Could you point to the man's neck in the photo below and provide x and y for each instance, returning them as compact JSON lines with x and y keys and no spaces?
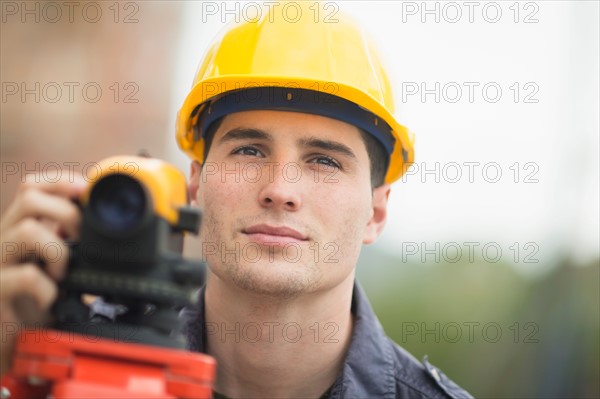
{"x":269,"y":347}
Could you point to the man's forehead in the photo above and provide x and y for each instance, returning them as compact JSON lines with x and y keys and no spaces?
{"x":277,"y":122}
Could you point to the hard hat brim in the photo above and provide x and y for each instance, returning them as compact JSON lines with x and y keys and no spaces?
{"x":400,"y":158}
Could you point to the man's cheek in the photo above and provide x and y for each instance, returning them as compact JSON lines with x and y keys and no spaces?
{"x":209,"y":251}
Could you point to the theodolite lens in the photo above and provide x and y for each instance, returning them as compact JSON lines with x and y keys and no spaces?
{"x":118,"y":203}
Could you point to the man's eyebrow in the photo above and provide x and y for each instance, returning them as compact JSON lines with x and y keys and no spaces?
{"x":242,"y":133}
{"x":329,"y":146}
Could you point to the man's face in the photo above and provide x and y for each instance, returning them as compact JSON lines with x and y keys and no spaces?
{"x":287,"y":202}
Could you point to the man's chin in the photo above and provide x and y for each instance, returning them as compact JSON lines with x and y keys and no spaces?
{"x":284,"y":282}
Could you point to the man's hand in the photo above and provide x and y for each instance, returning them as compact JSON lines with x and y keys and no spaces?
{"x":41,"y":216}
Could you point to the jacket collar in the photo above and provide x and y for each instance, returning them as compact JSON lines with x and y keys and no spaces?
{"x":368,"y":369}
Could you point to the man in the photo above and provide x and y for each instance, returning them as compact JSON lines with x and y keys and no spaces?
{"x":294,"y":147}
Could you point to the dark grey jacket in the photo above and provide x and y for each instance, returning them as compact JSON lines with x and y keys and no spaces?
{"x":375,"y":367}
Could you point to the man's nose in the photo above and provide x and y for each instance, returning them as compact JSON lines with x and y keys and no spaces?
{"x":282,"y":189}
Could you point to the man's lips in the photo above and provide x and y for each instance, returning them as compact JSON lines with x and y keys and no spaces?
{"x":264,"y":233}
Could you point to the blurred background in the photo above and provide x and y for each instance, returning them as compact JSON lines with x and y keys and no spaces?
{"x":490,"y":261}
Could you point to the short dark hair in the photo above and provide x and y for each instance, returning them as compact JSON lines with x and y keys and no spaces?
{"x":377,"y":155}
{"x":378,"y":158}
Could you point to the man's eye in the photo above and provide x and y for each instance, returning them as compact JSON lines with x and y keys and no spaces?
{"x":327,"y":161}
{"x":247,"y":150}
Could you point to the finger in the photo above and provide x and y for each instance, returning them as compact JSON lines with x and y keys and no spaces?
{"x":30,"y":280}
{"x":33,"y":203}
{"x":31,"y":240}
{"x":69,"y":185}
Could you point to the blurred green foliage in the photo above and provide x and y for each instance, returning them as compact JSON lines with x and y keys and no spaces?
{"x":492,"y":330}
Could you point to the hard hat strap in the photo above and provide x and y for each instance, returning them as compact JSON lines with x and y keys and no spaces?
{"x":297,"y":100}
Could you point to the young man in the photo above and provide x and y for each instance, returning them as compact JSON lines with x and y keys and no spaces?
{"x":294,"y":147}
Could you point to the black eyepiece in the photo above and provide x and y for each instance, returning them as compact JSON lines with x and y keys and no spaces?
{"x":118,"y":203}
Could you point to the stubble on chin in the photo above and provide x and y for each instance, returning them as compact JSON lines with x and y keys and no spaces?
{"x":284,"y":286}
{"x":270,"y":275}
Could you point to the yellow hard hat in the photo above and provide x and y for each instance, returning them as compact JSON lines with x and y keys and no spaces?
{"x":283,"y":63}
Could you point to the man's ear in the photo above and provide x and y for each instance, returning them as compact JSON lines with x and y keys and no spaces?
{"x":195,"y":172}
{"x":378,"y":218}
